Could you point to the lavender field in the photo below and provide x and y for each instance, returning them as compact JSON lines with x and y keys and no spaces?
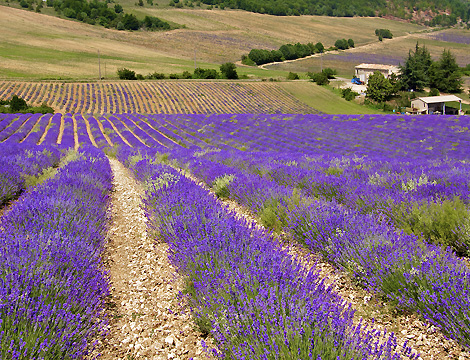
{"x":383,"y":199}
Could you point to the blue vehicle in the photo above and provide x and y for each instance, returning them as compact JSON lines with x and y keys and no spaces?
{"x":355,"y":80}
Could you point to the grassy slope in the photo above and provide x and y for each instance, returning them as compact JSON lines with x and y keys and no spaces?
{"x":323,"y":99}
{"x":40,"y":46}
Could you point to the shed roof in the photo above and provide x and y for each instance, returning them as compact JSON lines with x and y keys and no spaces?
{"x":439,"y":99}
{"x":377,"y":67}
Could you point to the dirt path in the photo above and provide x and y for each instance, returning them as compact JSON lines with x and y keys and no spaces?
{"x":147,"y":321}
{"x":43,"y":136}
{"x":75,"y":133}
{"x":89,"y":132}
{"x":61,"y":130}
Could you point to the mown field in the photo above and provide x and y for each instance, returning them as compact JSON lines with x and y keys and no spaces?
{"x":382,"y":199}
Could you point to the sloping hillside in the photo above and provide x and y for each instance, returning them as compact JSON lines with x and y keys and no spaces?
{"x":39,"y":46}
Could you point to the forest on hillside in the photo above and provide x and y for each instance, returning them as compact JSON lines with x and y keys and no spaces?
{"x":93,"y":12}
{"x":439,"y":12}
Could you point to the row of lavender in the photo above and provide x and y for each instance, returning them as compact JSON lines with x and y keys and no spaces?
{"x":19,"y":164}
{"x":393,"y":136}
{"x":373,"y":135}
{"x":119,"y":130}
{"x":257,"y":301}
{"x":52,"y":285}
{"x":310,"y":199}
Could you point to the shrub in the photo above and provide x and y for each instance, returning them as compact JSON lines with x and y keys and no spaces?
{"x":156,"y":76}
{"x":247,"y":61}
{"x":126,"y":74}
{"x":351,"y":43}
{"x":434,"y":92}
{"x":342,"y":44}
{"x":320,"y":78}
{"x":200,"y":73}
{"x":293,"y":76}
{"x":43,"y":109}
{"x":446,"y":223}
{"x":153,"y":23}
{"x":348,"y":94}
{"x":229,"y":71}
{"x":383,"y":34}
{"x":330,"y":73}
{"x":220,"y":186}
{"x":17,"y":104}
{"x":186,"y":75}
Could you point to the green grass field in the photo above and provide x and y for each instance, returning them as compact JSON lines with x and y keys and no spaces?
{"x":324,"y":99}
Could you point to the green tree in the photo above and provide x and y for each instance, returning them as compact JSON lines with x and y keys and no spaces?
{"x":126,"y":74}
{"x":293,"y":76}
{"x":320,"y":47}
{"x":342,"y":44}
{"x":229,"y":71}
{"x":130,"y":22}
{"x":379,"y":88}
{"x":415,"y":73}
{"x":320,"y":78}
{"x":351,"y":43}
{"x":445,"y":75}
{"x":383,"y":34}
{"x":17,"y":104}
{"x":200,"y":73}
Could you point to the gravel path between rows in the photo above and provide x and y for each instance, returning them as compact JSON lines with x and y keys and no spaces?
{"x":147,"y":320}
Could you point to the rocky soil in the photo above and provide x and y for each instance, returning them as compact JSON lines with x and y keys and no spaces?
{"x":148,"y":320}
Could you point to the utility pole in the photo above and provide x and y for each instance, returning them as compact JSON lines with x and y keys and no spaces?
{"x":99,"y":65}
{"x":321,"y":61}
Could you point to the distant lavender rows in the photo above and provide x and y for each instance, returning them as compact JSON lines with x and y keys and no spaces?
{"x":158,"y":97}
{"x":394,"y":136}
{"x":451,"y":37}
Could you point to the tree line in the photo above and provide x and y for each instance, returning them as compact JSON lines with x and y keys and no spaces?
{"x":347,"y":8}
{"x":103,"y":13}
{"x":227,"y":71}
{"x":291,"y":52}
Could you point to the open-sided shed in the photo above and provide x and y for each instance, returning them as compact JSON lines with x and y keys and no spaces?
{"x":436,"y":105}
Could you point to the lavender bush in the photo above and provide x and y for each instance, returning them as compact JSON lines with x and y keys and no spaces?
{"x":52,"y":284}
{"x":256,"y":300}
